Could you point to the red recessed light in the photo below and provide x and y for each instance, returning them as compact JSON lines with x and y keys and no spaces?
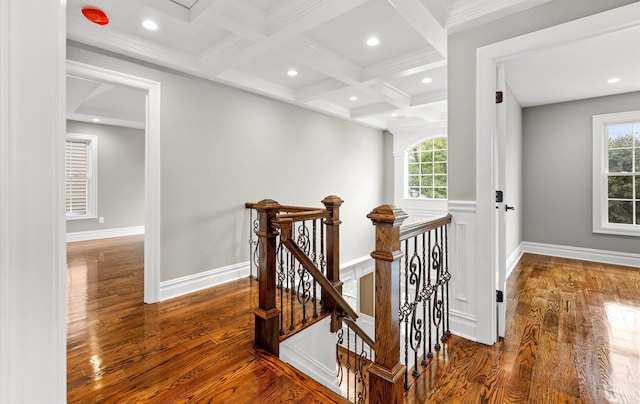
{"x":96,"y":15}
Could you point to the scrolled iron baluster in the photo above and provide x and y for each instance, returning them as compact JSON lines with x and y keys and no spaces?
{"x":404,"y":314}
{"x":254,"y":248}
{"x":436,"y":254}
{"x":362,"y":376}
{"x":415,"y":336}
{"x":314,"y":258}
{"x":281,"y":282}
{"x":339,"y":356}
{"x":447,"y":278}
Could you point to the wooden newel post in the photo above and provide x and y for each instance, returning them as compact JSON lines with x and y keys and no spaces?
{"x":266,"y":315}
{"x":332,"y":204}
{"x":386,"y":373}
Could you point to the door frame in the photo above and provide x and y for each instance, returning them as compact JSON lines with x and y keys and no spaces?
{"x":152,"y":164}
{"x":487,"y":60}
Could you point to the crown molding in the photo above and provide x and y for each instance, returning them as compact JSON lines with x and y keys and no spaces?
{"x":465,"y":12}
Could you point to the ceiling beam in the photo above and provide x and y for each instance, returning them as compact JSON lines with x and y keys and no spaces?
{"x":428,"y":98}
{"x":402,"y":66}
{"x":423,"y":21}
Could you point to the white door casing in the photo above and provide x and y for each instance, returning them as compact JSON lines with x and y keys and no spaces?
{"x":152,"y":165}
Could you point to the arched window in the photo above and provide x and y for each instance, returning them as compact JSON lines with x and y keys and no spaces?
{"x":427,"y":169}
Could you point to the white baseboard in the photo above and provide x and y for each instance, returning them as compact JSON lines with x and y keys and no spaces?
{"x":202,"y":280}
{"x":585,"y":254}
{"x":513,"y":259}
{"x":106,"y":233}
{"x":463,"y":325}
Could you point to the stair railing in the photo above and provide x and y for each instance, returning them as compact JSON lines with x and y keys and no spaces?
{"x":411,"y":299}
{"x":298,"y":254}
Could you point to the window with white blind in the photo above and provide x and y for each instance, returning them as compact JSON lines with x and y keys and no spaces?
{"x":616,"y":173}
{"x":81,"y":176}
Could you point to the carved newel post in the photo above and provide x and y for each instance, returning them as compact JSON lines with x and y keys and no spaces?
{"x":332,"y":204}
{"x":267,"y":331}
{"x":386,"y":373}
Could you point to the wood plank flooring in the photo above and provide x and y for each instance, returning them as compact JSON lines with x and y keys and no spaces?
{"x":573,"y":336}
{"x":196,"y":349}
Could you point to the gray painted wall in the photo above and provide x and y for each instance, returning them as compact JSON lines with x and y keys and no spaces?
{"x":513,"y":174}
{"x":222,"y":147}
{"x":461,"y":73}
{"x":557,"y":173}
{"x":120,"y":176}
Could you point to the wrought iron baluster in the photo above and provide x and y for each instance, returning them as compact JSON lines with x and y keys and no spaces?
{"x":404,"y":314}
{"x":303,"y":286}
{"x":314,"y":258}
{"x":416,"y":323}
{"x":430,"y":290}
{"x":281,"y":282}
{"x":292,"y":285}
{"x":437,"y":302}
{"x":323,"y":264}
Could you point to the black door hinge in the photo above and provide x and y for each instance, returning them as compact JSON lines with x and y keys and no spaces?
{"x":499,"y":296}
{"x":498,"y":97}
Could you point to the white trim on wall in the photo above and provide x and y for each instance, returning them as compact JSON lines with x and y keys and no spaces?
{"x":104,"y":233}
{"x":203,"y":280}
{"x":152,"y":165}
{"x":514,"y":259}
{"x":584,"y":254}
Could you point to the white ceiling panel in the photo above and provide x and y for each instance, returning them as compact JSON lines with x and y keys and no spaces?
{"x":413,"y":84}
{"x":251,"y":44}
{"x":577,"y":70}
{"x":347,"y":34}
{"x":273,"y":67}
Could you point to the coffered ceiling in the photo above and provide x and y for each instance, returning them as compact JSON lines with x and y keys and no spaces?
{"x":253,"y":44}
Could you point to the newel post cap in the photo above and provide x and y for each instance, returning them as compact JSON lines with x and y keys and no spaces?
{"x":266,"y":204}
{"x":332,"y":200}
{"x":387,"y":214}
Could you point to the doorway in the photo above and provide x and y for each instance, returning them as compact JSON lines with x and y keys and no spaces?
{"x":152,"y":164}
{"x":487,"y":176}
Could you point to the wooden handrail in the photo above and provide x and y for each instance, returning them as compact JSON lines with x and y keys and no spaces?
{"x":359,"y":331}
{"x":415,"y":229}
{"x":303,"y":215}
{"x":319,"y":277}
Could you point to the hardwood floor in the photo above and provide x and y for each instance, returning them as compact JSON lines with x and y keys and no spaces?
{"x":197,"y":348}
{"x":573,"y":336}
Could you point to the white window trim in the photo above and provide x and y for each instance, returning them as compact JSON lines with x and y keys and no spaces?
{"x":92,"y":202}
{"x":600,"y":208}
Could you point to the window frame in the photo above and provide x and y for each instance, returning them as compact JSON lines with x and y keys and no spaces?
{"x":406,"y":185}
{"x":92,"y":175}
{"x":601,"y":223}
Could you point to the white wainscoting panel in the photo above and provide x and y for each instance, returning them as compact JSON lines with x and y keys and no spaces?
{"x":313,"y":352}
{"x":462,"y":287}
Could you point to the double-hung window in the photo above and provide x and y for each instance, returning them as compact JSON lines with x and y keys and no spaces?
{"x":616,"y":173}
{"x":81,"y":176}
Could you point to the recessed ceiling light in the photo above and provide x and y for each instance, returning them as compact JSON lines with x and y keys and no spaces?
{"x":292,"y":73}
{"x":353,"y":98}
{"x":150,"y":25}
{"x":613,"y":80}
{"x":427,"y":80}
{"x":394,"y":115}
{"x":373,"y":41}
{"x":95,"y":120}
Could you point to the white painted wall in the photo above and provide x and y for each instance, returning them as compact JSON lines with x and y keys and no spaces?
{"x":32,"y":227}
{"x":222,"y":147}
